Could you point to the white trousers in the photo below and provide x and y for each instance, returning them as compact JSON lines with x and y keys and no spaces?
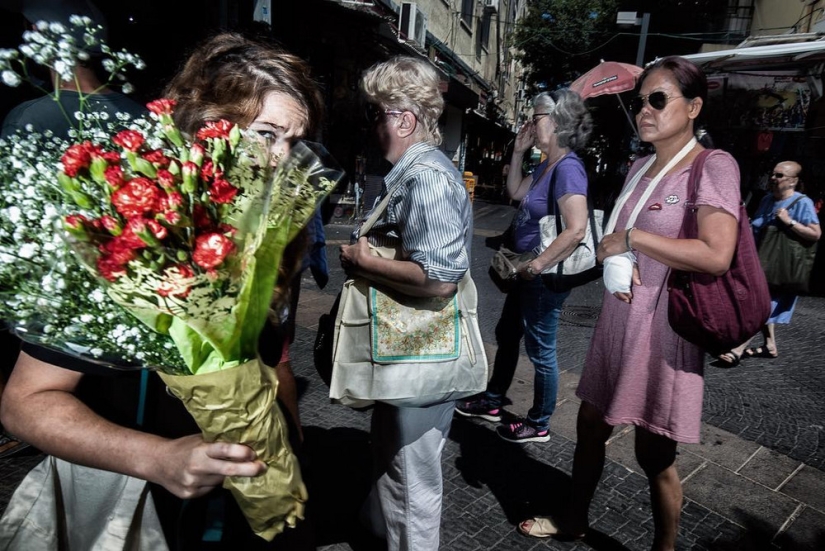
{"x":404,"y":505}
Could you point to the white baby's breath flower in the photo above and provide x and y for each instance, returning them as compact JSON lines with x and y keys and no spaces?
{"x":10,"y":78}
{"x":63,"y":69}
{"x":127,"y":88}
{"x":13,"y":213}
{"x":28,"y":250}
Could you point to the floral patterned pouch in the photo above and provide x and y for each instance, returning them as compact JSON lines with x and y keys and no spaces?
{"x":413,"y":329}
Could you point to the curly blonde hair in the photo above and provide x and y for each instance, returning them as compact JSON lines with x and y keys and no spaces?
{"x":407,"y":84}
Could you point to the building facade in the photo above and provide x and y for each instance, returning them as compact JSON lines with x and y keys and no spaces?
{"x":465,"y":40}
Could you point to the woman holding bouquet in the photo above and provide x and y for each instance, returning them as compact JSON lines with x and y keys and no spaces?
{"x":86,"y":414}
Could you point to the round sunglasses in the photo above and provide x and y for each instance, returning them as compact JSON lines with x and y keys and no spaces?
{"x":657,"y":100}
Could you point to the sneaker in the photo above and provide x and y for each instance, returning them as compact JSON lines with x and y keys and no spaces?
{"x":481,"y":408}
{"x":521,"y":431}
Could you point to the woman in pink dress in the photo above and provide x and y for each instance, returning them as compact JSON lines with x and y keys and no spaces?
{"x":638,"y":371}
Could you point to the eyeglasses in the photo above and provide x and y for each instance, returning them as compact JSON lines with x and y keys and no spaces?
{"x":373,"y":112}
{"x":779,"y":175}
{"x":537,"y":116}
{"x":657,"y":100}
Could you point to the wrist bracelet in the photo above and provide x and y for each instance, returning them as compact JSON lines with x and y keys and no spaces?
{"x":627,"y":239}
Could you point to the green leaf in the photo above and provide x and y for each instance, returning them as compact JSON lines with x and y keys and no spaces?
{"x":98,"y":170}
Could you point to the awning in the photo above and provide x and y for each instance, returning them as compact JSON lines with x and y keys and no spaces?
{"x":771,"y":57}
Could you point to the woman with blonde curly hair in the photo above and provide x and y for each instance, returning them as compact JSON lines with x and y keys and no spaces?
{"x":428,"y":217}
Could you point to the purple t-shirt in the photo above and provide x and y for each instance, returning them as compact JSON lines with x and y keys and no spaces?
{"x":570,"y":178}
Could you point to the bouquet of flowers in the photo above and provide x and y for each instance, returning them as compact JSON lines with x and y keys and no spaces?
{"x":180,"y":242}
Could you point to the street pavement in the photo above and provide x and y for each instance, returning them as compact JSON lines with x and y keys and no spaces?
{"x":756,"y":480}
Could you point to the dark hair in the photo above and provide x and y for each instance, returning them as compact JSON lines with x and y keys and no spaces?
{"x":690,"y":78}
{"x":228,"y":77}
{"x":692,"y":84}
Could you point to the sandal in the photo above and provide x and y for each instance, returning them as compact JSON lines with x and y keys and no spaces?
{"x":729,"y":358}
{"x":545,"y":527}
{"x":761,"y":352}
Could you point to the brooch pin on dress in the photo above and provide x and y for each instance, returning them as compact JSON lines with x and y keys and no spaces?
{"x":672,"y":199}
{"x":655,"y":206}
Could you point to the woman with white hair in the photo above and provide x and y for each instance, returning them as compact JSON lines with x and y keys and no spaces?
{"x":559,"y":125}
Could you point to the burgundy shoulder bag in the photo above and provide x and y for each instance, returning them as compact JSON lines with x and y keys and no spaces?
{"x":718,"y":313}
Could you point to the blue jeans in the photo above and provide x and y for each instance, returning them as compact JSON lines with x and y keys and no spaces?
{"x":531,"y":311}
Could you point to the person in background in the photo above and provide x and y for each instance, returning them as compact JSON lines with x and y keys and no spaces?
{"x":559,"y":125}
{"x":44,"y":114}
{"x":84,"y":414}
{"x":785,"y":206}
{"x":429,"y":214}
{"x":638,"y":371}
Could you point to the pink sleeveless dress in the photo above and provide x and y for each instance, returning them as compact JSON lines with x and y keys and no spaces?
{"x":638,"y":371}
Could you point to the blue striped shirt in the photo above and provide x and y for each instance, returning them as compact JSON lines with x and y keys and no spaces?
{"x":428,"y":214}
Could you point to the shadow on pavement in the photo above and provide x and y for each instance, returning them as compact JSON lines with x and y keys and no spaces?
{"x":758,"y":536}
{"x":337,"y":471}
{"x":523,"y":485}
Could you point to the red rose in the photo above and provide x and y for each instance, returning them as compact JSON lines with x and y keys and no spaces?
{"x":129,"y":139}
{"x":92,"y":149}
{"x":112,"y":157}
{"x":207,"y":170}
{"x":110,"y":269}
{"x":120,"y":249}
{"x":136,"y":197}
{"x":76,"y":158}
{"x":157,"y":157}
{"x":75,"y":222}
{"x":174,"y":281}
{"x":171,"y":217}
{"x":189,"y":169}
{"x":215,"y":129}
{"x":111,"y":224}
{"x":157,"y":229}
{"x":171,"y":200}
{"x":202,"y":219}
{"x":211,"y":250}
{"x":131,"y":237}
{"x":165,"y":178}
{"x":161,"y":106}
{"x":222,"y":192}
{"x":114,"y":176}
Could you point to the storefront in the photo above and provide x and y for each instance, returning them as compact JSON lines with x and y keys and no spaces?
{"x":765,"y":106}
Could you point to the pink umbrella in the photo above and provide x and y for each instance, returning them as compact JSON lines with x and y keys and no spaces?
{"x":608,"y":77}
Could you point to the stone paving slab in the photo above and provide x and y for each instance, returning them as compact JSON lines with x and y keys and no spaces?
{"x":808,"y":486}
{"x":770,"y":468}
